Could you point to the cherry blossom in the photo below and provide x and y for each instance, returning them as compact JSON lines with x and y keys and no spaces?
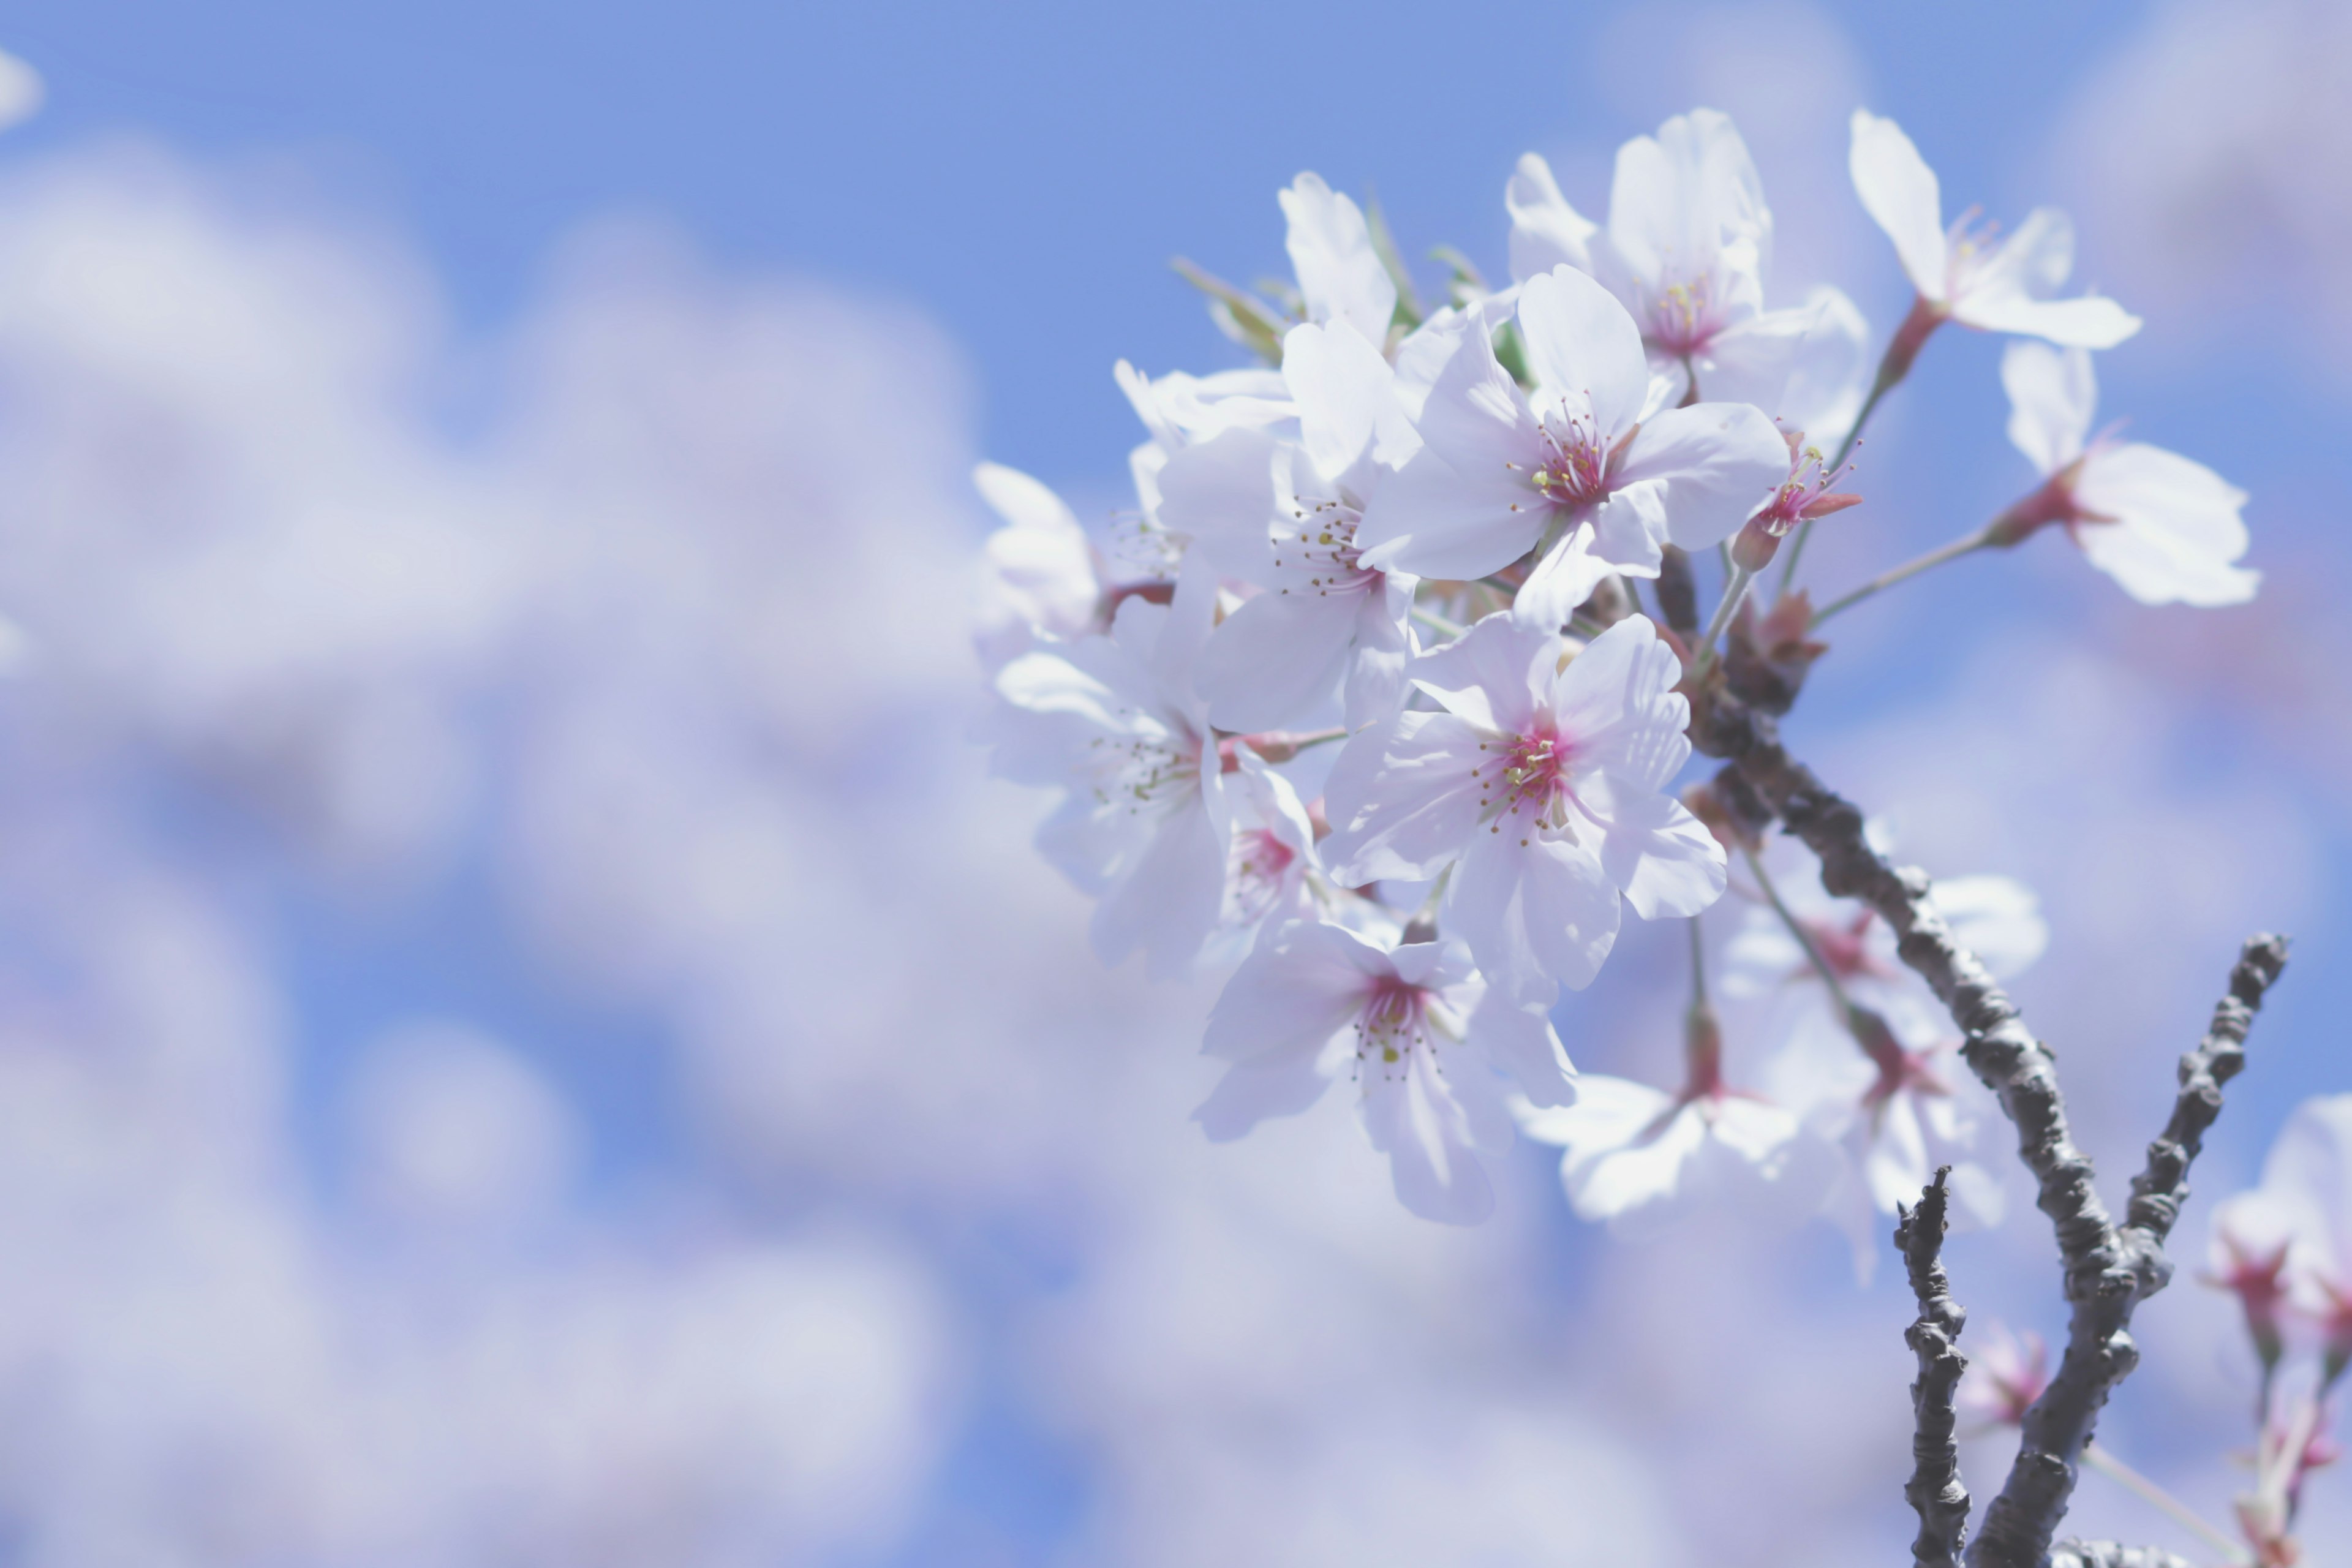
{"x":1040,"y":575}
{"x":1271,"y":863}
{"x":2167,"y":529}
{"x":1416,"y":1030}
{"x":1145,"y":824}
{"x":1640,"y":1158}
{"x":1688,"y":239}
{"x":2303,"y":1210}
{"x":1284,"y":515}
{"x":1872,"y":1066}
{"x":1541,"y":783}
{"x":2007,"y":1372}
{"x":1965,"y":274}
{"x":1574,"y":461}
{"x":1997,"y":919}
{"x":1897,"y":1105}
{"x":1341,"y":275}
{"x":1179,"y":411}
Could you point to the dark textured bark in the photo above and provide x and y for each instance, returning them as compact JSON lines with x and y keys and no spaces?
{"x":2107,"y":1554}
{"x":1935,"y":1490}
{"x":2108,"y":1269}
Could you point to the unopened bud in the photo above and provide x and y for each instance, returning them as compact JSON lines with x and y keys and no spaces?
{"x":1753,"y":547}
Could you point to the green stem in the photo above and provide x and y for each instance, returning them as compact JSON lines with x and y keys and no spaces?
{"x":1437,"y":621}
{"x":1698,"y":966}
{"x":1804,"y":937}
{"x":2147,"y":1491}
{"x":1891,"y":369}
{"x":1725,"y":608}
{"x":1981,"y":539}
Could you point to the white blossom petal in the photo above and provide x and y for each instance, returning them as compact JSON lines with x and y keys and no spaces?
{"x":1899,"y":192}
{"x":1339,"y":274}
{"x":2177,"y":534}
{"x":2052,"y":396}
{"x":1546,"y":231}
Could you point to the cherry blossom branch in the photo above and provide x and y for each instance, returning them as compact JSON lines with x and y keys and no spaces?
{"x":1935,"y":1490}
{"x":2109,"y":1270}
{"x":2107,"y":1554}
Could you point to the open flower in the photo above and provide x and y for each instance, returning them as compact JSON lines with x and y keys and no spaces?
{"x":1685,"y":249}
{"x":1542,"y":784}
{"x":1640,"y":1158}
{"x":1040,"y":575}
{"x":1967,"y":275}
{"x":1573,"y":462}
{"x":2167,"y":529}
{"x":1284,"y":514}
{"x":1145,"y":824}
{"x":1896,"y":1106}
{"x":1412,"y":1025}
{"x":2304,"y":1207}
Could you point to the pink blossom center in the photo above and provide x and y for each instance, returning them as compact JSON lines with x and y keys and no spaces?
{"x":1394,"y":1020}
{"x":1528,"y":778}
{"x":1683,"y":318}
{"x":1260,"y":862}
{"x":1574,"y":470}
{"x":1321,"y":540}
{"x":1844,"y":948}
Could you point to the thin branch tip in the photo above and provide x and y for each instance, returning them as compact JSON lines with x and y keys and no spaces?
{"x":1935,"y":1491}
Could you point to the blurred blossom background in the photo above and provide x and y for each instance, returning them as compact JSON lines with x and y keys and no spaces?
{"x":525,"y":1036}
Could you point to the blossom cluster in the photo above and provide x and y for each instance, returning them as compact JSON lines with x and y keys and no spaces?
{"x":1363,"y":706}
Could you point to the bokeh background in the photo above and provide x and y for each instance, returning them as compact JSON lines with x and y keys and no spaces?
{"x":525,"y":1036}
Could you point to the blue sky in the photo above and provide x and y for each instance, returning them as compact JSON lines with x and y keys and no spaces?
{"x":1023,"y":171}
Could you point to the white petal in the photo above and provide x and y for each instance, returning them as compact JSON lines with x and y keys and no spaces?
{"x":2175,"y":532}
{"x":1339,"y":273}
{"x":1341,"y":386}
{"x":1562,"y":580}
{"x":1998,"y":919}
{"x":1617,"y":705}
{"x":1376,"y":671}
{"x":1220,"y":495}
{"x":1663,"y":856}
{"x":1299,"y":986}
{"x":1806,"y":367}
{"x":1278,"y":1085}
{"x":1167,"y":902}
{"x":1546,"y":232}
{"x":1717,"y":462}
{"x":1277,"y":657}
{"x":1686,"y":202}
{"x":1536,"y":912}
{"x":1899,"y":192}
{"x":2051,"y":397}
{"x":1521,"y":1041}
{"x":1582,"y":346}
{"x":1402,"y":798}
{"x":1493,"y":673}
{"x":1430,"y":1123}
{"x":1464,"y":505}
